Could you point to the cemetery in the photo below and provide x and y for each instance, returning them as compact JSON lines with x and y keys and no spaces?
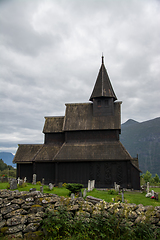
{"x":22,"y":212}
{"x":81,"y":176}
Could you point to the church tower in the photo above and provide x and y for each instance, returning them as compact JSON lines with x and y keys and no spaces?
{"x":103,"y":95}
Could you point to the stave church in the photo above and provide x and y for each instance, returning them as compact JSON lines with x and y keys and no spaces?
{"x":83,"y":145}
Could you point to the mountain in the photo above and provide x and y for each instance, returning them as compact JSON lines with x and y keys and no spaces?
{"x":143,"y":139}
{"x":7,"y":158}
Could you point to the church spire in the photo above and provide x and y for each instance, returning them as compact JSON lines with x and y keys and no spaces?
{"x":102,"y":59}
{"x":103,"y":87}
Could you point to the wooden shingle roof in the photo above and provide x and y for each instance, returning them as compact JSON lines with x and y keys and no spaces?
{"x":109,"y":150}
{"x":53,"y":124}
{"x":47,"y":153}
{"x":79,"y":116}
{"x":26,"y":152}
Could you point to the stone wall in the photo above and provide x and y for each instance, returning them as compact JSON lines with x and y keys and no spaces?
{"x":22,"y":212}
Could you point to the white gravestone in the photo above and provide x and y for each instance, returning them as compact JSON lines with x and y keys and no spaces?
{"x":34,"y":179}
{"x":152,"y":193}
{"x":50,"y":186}
{"x":92,"y":184}
{"x":42,"y":181}
{"x":18,"y":180}
{"x":72,"y":196}
{"x":84,"y":192}
{"x":89,"y":185}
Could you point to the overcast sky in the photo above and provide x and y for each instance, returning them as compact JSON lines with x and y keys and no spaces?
{"x":50,"y":54}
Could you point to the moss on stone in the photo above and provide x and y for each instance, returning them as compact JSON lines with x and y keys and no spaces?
{"x":4,"y":230}
{"x":36,"y":205}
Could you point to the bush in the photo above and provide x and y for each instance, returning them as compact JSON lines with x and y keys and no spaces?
{"x":156,"y":178}
{"x":112,"y":192}
{"x":74,"y":187}
{"x":61,"y":224}
{"x":23,"y":185}
{"x":39,"y":183}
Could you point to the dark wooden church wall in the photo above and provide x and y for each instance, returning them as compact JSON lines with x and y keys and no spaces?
{"x":94,"y":136}
{"x":135,"y":178}
{"x":45,"y":170}
{"x":103,"y":107}
{"x":108,"y":172}
{"x":25,"y":170}
{"x":56,"y":138}
{"x":73,"y":172}
{"x":104,"y":173}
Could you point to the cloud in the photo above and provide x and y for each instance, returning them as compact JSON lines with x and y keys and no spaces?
{"x":51,"y":54}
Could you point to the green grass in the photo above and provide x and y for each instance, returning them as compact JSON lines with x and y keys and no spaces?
{"x":131,"y":197}
{"x":55,"y":190}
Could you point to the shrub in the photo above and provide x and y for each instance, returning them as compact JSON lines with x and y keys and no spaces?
{"x":74,"y":187}
{"x":39,"y":183}
{"x":112,"y":192}
{"x":156,"y":178}
{"x":23,"y":185}
{"x":64,"y":185}
{"x":61,"y":224}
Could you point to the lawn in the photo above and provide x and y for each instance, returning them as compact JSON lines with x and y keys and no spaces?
{"x":130,"y":197}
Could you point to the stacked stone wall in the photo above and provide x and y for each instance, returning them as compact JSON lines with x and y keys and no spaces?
{"x":22,"y":212}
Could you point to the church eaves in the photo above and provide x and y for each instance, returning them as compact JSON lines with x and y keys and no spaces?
{"x":103,"y":87}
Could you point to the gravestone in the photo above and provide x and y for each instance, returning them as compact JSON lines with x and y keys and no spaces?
{"x":118,"y":187}
{"x":32,"y":189}
{"x":156,"y":195}
{"x":72,"y":196}
{"x":147,"y":187}
{"x":18,"y":180}
{"x":50,"y":186}
{"x":92,"y":184}
{"x":89,"y":185}
{"x":41,"y":189}
{"x":152,"y":193}
{"x":60,"y":184}
{"x":34,"y":179}
{"x":42,"y":181}
{"x":84,"y":192}
{"x":13,"y":184}
{"x":80,"y":194}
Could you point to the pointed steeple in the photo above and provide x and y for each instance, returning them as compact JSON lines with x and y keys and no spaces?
{"x":103,"y":87}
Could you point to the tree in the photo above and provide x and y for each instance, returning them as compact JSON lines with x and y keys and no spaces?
{"x":3,"y":165}
{"x":147,"y":176}
{"x":156,"y":178}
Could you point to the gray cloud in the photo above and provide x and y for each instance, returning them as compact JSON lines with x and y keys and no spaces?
{"x":51,"y":55}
